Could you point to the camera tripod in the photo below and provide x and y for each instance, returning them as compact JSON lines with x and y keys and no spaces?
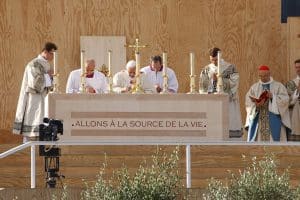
{"x":51,"y":156}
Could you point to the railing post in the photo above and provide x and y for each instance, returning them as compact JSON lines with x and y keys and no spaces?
{"x":188,"y":166}
{"x":32,"y":175}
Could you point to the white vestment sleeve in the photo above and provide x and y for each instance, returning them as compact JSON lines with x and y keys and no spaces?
{"x":98,"y":83}
{"x":47,"y":80}
{"x":250,"y":106}
{"x":70,"y":88}
{"x":118,"y":83}
{"x":104,"y":86}
{"x":234,"y":82}
{"x":294,"y":97}
{"x":273,"y":108}
{"x":173,"y":83}
{"x":281,"y":98}
{"x":146,"y":83}
{"x":36,"y":79}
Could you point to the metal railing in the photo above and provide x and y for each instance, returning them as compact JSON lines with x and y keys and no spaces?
{"x":33,"y":145}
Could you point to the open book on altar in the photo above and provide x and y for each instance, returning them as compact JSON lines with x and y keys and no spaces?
{"x":263,"y":97}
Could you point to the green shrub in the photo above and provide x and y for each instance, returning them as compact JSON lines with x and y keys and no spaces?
{"x":259,"y":181}
{"x":158,"y":181}
{"x":63,"y":195}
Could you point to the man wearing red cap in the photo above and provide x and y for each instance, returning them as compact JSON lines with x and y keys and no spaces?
{"x":267,"y":104}
{"x":293,"y":88}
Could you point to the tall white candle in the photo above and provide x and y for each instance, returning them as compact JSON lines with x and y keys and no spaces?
{"x":165,"y":61}
{"x":82,"y":62}
{"x":55,"y":63}
{"x":219,"y":61}
{"x":192,"y":63}
{"x":109,"y":62}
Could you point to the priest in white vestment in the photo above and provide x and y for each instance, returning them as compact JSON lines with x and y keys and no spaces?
{"x":230,"y":77}
{"x":293,"y":88}
{"x":35,"y":86}
{"x":267,"y":103}
{"x":155,"y":74}
{"x":124,"y":81}
{"x":95,"y":82}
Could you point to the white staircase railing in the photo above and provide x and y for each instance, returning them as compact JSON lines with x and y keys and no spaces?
{"x":33,"y":144}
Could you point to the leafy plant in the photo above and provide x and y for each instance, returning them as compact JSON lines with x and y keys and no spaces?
{"x":259,"y":181}
{"x":158,"y":181}
{"x":62,"y":196}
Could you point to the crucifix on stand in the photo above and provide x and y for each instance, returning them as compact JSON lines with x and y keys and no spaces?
{"x":136,"y":46}
{"x":137,"y":88}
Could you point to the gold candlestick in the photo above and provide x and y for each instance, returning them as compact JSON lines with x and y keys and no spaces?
{"x":82,"y":83}
{"x":83,"y":73}
{"x":55,"y":83}
{"x":55,"y":73}
{"x":110,"y":84}
{"x":165,"y":75}
{"x":165,"y":85}
{"x":220,"y":85}
{"x":220,"y":79}
{"x":137,"y":87}
{"x":192,"y":75}
{"x":192,"y":85}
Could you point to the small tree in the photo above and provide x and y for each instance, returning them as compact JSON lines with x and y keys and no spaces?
{"x":259,"y":181}
{"x":158,"y":181}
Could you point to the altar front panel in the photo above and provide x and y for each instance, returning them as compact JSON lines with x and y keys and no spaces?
{"x":141,"y":117}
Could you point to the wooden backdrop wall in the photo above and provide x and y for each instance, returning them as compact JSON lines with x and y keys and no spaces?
{"x":248,"y":31}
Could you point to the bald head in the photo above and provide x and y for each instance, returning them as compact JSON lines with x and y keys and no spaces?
{"x":130,"y":67}
{"x":130,"y":64}
{"x":90,"y":66}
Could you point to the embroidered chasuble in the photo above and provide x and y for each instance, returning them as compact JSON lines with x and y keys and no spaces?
{"x":230,"y":79}
{"x":31,"y":104}
{"x":294,"y":107}
{"x":270,"y":121}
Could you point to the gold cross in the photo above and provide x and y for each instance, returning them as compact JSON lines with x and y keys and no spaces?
{"x":136,"y":45}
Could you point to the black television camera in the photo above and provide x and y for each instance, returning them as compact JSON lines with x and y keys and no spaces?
{"x":48,"y":131}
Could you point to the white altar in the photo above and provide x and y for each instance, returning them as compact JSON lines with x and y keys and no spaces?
{"x":139,"y":117}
